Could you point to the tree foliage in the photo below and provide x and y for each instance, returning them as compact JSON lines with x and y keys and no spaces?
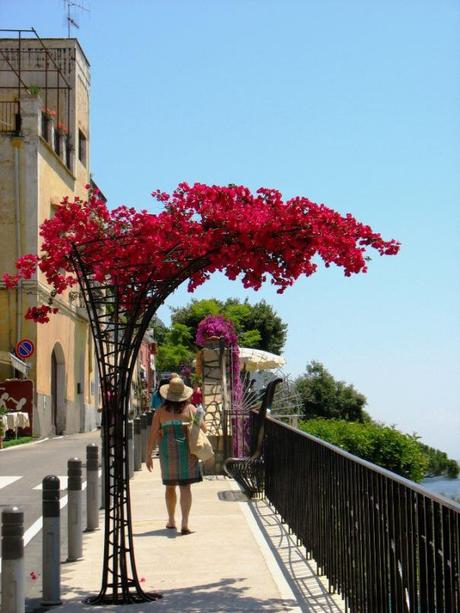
{"x":382,"y":445}
{"x":174,"y":351}
{"x":324,"y":396}
{"x":439,"y":463}
{"x":257,"y":326}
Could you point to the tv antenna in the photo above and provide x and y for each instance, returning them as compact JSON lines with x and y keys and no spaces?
{"x":70,"y":18}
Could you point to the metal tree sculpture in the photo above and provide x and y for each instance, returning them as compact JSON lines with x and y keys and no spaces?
{"x":128,"y":262}
{"x":119,"y":316}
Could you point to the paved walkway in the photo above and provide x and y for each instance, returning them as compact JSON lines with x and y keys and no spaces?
{"x":239,"y":557}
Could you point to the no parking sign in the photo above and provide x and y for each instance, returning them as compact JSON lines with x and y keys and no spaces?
{"x":25,"y":348}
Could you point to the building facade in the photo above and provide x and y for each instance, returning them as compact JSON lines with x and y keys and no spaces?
{"x":44,"y":156}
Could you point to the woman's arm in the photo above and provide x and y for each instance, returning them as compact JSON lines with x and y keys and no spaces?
{"x":153,"y":439}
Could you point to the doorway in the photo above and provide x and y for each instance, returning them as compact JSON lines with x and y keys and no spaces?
{"x":58,"y":413}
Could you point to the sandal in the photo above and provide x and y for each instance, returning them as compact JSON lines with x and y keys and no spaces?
{"x":171,"y":527}
{"x":185,"y":531}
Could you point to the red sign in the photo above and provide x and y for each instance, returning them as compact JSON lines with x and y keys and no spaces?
{"x":17,"y":395}
{"x":25,"y":349}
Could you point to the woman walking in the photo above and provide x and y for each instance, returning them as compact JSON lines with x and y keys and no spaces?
{"x":178,"y":466}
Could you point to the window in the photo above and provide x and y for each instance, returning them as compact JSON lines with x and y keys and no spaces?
{"x":57,"y":142}
{"x":44,"y":126}
{"x":82,"y":147}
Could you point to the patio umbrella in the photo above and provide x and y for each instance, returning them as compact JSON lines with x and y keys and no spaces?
{"x":256,"y":359}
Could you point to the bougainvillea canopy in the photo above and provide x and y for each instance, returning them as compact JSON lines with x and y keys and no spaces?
{"x":200,"y":229}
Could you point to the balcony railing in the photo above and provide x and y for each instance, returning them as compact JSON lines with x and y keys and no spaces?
{"x":10,"y":117}
{"x":384,"y":543}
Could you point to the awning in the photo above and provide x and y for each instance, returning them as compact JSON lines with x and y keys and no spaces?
{"x":256,"y":359}
{"x":15,"y":362}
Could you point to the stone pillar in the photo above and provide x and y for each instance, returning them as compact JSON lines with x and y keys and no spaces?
{"x":216,"y":403}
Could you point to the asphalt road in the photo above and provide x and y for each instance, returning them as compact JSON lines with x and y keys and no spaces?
{"x":22,"y":470}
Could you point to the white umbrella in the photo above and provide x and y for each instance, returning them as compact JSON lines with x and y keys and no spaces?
{"x":256,"y":359}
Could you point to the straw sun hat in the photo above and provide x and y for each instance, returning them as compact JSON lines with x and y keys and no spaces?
{"x":176,"y":390}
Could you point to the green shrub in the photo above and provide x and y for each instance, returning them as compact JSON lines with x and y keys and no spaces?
{"x":17,"y":441}
{"x":379,"y":444}
{"x":439,"y":463}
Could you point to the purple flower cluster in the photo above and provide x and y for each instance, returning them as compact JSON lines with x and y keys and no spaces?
{"x":216,"y":326}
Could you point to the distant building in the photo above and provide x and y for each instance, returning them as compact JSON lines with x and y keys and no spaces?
{"x":44,"y":156}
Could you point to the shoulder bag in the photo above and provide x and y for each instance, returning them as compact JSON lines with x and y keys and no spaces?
{"x":198,"y":441}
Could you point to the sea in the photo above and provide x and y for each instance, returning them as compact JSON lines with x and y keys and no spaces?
{"x":449,"y":488}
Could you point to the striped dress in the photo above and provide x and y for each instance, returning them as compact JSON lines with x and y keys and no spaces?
{"x":178,"y":466}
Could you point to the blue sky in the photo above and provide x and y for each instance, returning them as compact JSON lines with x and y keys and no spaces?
{"x":354,"y":104}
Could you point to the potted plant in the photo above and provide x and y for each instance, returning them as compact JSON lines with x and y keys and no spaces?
{"x":34,"y":90}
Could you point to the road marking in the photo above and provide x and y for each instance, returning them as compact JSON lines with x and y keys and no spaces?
{"x":62,"y":483}
{"x":38,"y":524}
{"x":4,"y":481}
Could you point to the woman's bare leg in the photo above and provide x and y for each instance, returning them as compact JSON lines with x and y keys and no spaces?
{"x":171,"y":500}
{"x":185,"y":504}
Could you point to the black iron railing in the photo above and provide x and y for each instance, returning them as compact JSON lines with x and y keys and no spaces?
{"x":10,"y":117}
{"x":384,"y":543}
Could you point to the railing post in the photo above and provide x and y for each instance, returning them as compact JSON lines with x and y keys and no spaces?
{"x":74,"y":529}
{"x":144,"y":426}
{"x":92,"y":487}
{"x":13,"y":592}
{"x":137,"y":444}
{"x":51,"y":545}
{"x":130,"y":449}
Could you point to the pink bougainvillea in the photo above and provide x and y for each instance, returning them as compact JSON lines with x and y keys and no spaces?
{"x":200,"y":229}
{"x":216,"y":326}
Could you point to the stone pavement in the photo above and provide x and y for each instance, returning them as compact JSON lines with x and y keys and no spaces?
{"x":238,"y":558}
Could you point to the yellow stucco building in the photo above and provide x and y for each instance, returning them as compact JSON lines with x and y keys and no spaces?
{"x":44,"y":156}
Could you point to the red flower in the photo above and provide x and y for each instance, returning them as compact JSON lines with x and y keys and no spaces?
{"x":201,"y":229}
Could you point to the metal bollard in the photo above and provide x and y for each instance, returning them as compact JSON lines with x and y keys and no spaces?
{"x":130,"y":450}
{"x":51,"y":545}
{"x":144,"y":435}
{"x":74,"y":531}
{"x":12,"y":569}
{"x":137,"y":444}
{"x":92,"y":487}
{"x":102,"y":469}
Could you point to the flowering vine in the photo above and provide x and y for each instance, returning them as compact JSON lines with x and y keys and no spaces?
{"x":199,"y":230}
{"x":217,"y":326}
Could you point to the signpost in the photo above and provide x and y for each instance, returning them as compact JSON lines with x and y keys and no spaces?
{"x":25,"y":348}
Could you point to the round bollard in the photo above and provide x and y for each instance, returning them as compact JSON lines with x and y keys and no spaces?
{"x":130,"y":450}
{"x":103,"y":470}
{"x":13,"y":592}
{"x":144,"y":436}
{"x":51,"y":544}
{"x":137,"y":444}
{"x":92,"y":487}
{"x":74,"y":529}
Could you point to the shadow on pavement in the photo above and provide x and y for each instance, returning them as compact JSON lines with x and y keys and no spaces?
{"x":172,"y":534}
{"x":310,"y":589}
{"x":219,"y":597}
